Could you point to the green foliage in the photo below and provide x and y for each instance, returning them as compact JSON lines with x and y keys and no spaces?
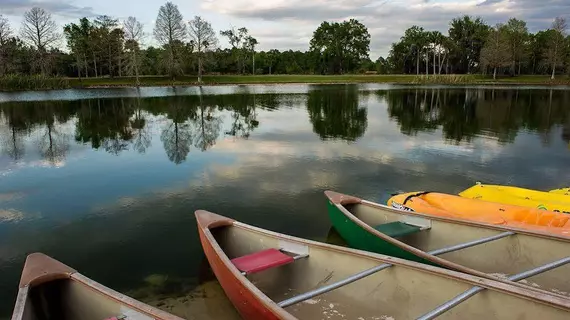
{"x":340,"y":46}
{"x":17,"y":82}
{"x":468,"y":36}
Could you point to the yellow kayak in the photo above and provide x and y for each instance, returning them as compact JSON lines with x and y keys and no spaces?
{"x":564,"y":191}
{"x":551,"y":201}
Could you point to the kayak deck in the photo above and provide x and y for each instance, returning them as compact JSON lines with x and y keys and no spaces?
{"x":519,"y":196}
{"x":456,"y":207}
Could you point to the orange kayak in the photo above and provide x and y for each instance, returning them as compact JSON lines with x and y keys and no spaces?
{"x":451,"y":206}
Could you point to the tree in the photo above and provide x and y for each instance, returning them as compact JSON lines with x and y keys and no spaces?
{"x":168,"y":30}
{"x":555,"y":49}
{"x":111,"y":42}
{"x":134,"y":33}
{"x":78,"y":37}
{"x":236,"y":39}
{"x":5,"y":36}
{"x":517,"y":33}
{"x":468,"y":36}
{"x":496,"y":53}
{"x":5,"y":30}
{"x":249,"y":46}
{"x":40,"y":30}
{"x":341,"y":46}
{"x":204,"y":38}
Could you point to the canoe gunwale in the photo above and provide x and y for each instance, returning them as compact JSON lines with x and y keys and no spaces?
{"x":342,"y":200}
{"x":523,"y":292}
{"x":40,"y":269}
{"x":339,"y":198}
{"x":123,"y":299}
{"x":417,"y":252}
{"x":207,"y":221}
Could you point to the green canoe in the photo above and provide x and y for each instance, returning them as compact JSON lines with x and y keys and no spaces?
{"x":484,"y":250}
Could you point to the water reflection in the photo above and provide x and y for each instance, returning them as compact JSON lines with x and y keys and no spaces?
{"x":130,"y":170}
{"x":336,"y":113}
{"x":465,"y":113}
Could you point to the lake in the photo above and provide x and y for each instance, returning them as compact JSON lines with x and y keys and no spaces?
{"x":107,"y":181}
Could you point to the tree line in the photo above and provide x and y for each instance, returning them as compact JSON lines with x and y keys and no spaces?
{"x":107,"y":47}
{"x":472,"y":46}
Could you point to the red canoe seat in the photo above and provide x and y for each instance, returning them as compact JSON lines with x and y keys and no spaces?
{"x":263,"y":260}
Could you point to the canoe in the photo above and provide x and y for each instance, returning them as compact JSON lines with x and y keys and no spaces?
{"x":51,"y":290}
{"x":519,"y":196}
{"x":268,"y":275}
{"x":564,"y":191}
{"x":484,"y":250}
{"x":452,"y":206}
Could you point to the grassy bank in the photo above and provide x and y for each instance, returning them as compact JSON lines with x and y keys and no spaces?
{"x":272,"y":79}
{"x":18,"y":83}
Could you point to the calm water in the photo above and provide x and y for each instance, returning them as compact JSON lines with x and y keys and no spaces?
{"x":107,"y":180}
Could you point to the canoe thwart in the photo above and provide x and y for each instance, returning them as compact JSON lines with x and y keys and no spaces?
{"x":311,"y":294}
{"x":476,"y":289}
{"x":470,"y":244}
{"x":397,"y":229}
{"x":317,"y":292}
{"x":263,"y":260}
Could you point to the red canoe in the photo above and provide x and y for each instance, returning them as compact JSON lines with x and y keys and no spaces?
{"x":51,"y":290}
{"x":268,"y":275}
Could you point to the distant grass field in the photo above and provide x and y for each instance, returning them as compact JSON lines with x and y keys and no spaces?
{"x":16,"y":83}
{"x":267,"y":79}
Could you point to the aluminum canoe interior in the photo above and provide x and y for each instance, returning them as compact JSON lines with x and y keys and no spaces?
{"x":503,"y":257}
{"x":51,"y":290}
{"x":406,"y":290}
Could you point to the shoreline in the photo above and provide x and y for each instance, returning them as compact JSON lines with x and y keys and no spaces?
{"x":222,"y":80}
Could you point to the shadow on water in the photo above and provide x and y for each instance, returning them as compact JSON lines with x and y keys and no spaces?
{"x":109,"y":185}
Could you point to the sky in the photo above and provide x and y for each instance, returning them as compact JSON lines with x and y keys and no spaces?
{"x":289,"y":24}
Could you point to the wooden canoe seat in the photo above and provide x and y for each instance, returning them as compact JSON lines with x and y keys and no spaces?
{"x":263,"y":260}
{"x":397,"y":229}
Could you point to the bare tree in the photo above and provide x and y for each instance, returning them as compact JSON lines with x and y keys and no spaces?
{"x":133,"y":36}
{"x":40,"y":30}
{"x":5,"y":34}
{"x":204,"y":38}
{"x":496,"y":53}
{"x":5,"y":30}
{"x":169,"y":29}
{"x":555,"y":50}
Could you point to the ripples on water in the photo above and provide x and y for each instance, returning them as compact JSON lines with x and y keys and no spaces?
{"x":107,"y":180}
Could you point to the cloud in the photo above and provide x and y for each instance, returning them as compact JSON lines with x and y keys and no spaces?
{"x":62,"y":8}
{"x":295,"y":20}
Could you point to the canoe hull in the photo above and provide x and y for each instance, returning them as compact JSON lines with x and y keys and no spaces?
{"x":248,"y":304}
{"x":359,"y":237}
{"x":51,"y":289}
